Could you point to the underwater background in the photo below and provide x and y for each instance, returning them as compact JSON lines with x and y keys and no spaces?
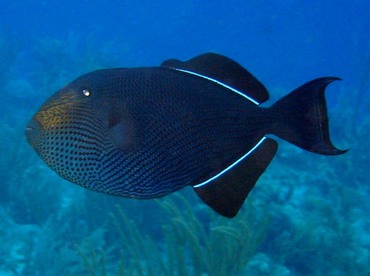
{"x":307,"y":215}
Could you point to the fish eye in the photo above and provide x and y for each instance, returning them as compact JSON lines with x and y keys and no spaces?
{"x":86,"y":92}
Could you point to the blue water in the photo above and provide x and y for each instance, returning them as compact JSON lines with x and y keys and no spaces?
{"x":308,"y":214}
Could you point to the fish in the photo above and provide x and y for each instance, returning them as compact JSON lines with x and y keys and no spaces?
{"x":147,"y":132}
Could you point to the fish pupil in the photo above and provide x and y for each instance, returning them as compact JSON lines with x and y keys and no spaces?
{"x":86,"y":92}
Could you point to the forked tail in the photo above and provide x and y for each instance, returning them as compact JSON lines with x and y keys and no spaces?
{"x":301,"y":118}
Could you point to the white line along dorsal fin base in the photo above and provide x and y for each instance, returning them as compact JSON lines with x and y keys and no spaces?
{"x":231,"y":166}
{"x":218,"y":82}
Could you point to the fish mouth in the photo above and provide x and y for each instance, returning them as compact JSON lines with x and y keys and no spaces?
{"x":33,"y":131}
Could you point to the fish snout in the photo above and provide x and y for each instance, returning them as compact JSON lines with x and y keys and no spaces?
{"x":33,"y":132}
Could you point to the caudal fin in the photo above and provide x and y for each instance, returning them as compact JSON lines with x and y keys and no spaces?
{"x":301,"y":118}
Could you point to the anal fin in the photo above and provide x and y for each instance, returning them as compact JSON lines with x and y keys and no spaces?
{"x":226,"y":193}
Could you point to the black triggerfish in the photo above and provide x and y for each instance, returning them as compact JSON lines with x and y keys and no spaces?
{"x":147,"y":132}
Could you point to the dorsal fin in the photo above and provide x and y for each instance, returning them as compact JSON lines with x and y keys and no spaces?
{"x":226,"y":192}
{"x":224,"y":70}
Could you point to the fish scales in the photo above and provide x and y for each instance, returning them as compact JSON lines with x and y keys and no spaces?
{"x":174,"y":143}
